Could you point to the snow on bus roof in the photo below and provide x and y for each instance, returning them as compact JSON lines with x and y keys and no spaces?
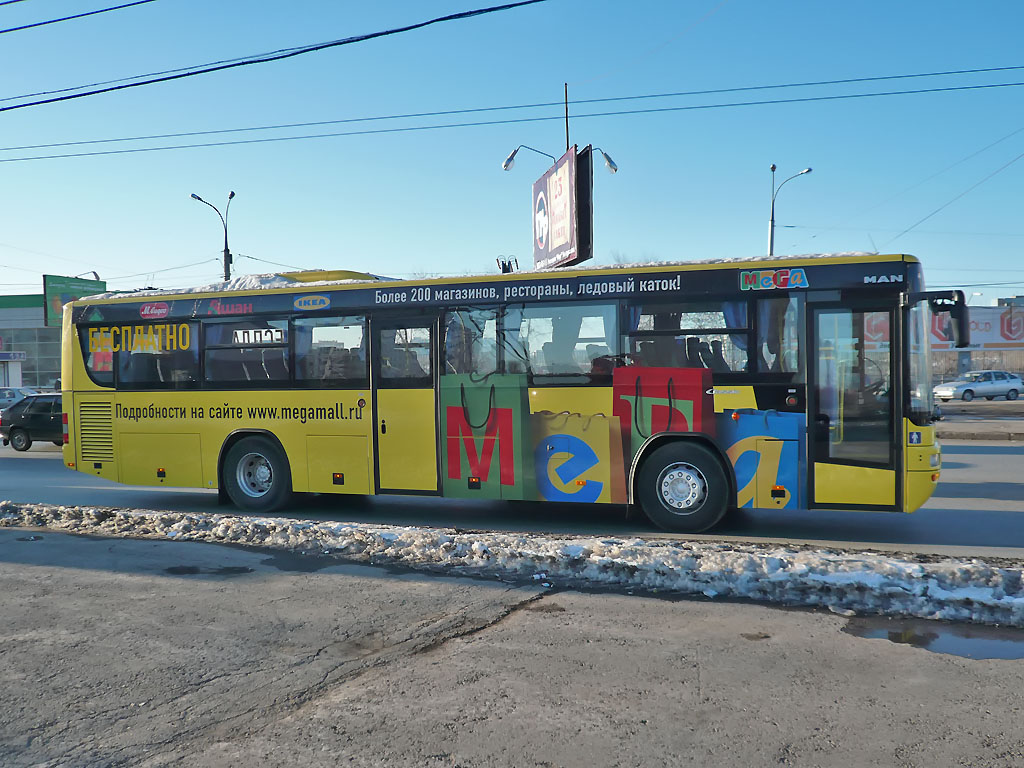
{"x":281,"y":280}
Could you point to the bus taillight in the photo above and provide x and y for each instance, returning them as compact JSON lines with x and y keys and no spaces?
{"x":64,"y":420}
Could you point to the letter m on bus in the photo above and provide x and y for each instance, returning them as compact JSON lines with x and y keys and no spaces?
{"x":478,"y":450}
{"x":749,"y":281}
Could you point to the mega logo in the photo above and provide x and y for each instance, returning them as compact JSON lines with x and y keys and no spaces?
{"x":154,"y":310}
{"x":581,"y":457}
{"x":307,"y":303}
{"x":1011,"y":325}
{"x":770,"y":279}
{"x":498,"y":430}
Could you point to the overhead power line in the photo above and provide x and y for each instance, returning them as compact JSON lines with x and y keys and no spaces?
{"x":76,"y":16}
{"x":263,"y":59}
{"x":500,"y":108}
{"x":481,"y":123}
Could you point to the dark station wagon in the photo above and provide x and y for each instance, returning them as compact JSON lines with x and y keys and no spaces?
{"x":35,"y":417}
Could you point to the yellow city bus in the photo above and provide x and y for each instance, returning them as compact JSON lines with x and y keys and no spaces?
{"x":682,"y":389}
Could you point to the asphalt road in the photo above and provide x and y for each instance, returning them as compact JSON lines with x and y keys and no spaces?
{"x":977,"y":509}
{"x":124,"y":653}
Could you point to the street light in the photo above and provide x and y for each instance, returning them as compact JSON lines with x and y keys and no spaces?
{"x":609,"y":163}
{"x":775,"y":192}
{"x":511,"y":159}
{"x":224,"y":221}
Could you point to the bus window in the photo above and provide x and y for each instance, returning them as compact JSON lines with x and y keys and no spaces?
{"x":331,"y":351}
{"x":98,"y":354}
{"x":243,"y":351}
{"x":151,"y":359}
{"x":709,"y":334}
{"x":579,"y":341}
{"x":405,"y":354}
{"x":779,"y":331}
{"x":471,"y":341}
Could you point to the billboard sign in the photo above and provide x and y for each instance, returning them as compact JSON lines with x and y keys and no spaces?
{"x":554,"y":214}
{"x":59,"y":290}
{"x":991,"y":328}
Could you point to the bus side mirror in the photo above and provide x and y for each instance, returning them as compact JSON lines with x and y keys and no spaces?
{"x":961,"y":325}
{"x":954,"y":303}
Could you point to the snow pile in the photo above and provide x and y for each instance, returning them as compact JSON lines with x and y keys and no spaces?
{"x":846,"y":582}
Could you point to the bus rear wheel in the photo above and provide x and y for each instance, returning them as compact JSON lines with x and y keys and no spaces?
{"x":682,"y":487}
{"x":256,"y":475}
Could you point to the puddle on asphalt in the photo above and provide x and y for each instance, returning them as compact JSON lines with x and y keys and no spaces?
{"x":972,"y":641}
{"x":195,"y":570}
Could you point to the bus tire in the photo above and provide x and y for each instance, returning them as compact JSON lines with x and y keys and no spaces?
{"x":256,"y":475}
{"x":682,"y":487}
{"x":20,"y":440}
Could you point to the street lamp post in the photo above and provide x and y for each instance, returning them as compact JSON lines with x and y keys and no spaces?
{"x":775,"y":192}
{"x":224,"y":221}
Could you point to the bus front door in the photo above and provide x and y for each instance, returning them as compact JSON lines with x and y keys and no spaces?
{"x":403,"y":355}
{"x":852,"y":444}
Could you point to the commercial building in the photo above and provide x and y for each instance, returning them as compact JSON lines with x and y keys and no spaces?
{"x":29,"y":350}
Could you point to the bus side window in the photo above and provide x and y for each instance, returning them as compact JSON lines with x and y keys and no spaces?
{"x":471,"y":341}
{"x":331,"y":351}
{"x":779,"y":335}
{"x":562,"y":344}
{"x":705,"y":334}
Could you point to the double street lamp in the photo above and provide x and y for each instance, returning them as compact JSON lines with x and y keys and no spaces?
{"x":224,"y":221}
{"x":775,"y":192}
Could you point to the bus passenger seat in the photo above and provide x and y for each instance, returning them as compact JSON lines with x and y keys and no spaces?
{"x":274,"y":364}
{"x":719,"y":363}
{"x":693,"y":352}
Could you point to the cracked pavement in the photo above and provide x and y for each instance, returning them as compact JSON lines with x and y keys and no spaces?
{"x":120,"y":652}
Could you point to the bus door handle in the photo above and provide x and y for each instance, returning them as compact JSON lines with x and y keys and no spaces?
{"x":383,"y":427}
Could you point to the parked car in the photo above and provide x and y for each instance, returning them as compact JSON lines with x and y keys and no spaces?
{"x":11,"y":395}
{"x":987,"y":384}
{"x":35,"y":417}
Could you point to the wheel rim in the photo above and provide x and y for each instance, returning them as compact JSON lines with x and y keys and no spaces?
{"x":18,"y":440}
{"x":682,"y":488}
{"x":968,"y":396}
{"x":255,"y":475}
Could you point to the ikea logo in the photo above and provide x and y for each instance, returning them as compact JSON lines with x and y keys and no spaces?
{"x":305,"y":303}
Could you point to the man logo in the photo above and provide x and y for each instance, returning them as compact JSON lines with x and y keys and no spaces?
{"x":308,"y":303}
{"x":883,"y":278}
{"x":540,"y":221}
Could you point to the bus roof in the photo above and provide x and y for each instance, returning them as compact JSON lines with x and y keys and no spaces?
{"x":304,"y":280}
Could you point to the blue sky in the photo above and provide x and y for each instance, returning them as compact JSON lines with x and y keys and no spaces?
{"x":693,"y":183}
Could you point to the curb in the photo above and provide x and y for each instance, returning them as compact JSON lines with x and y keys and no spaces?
{"x":956,"y":435}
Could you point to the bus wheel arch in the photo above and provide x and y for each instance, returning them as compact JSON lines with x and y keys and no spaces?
{"x":253,"y":471}
{"x":682,"y":482}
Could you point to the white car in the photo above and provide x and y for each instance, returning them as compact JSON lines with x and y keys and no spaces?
{"x":987,"y":384}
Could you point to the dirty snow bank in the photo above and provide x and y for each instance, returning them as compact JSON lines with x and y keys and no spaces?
{"x":845,"y":582}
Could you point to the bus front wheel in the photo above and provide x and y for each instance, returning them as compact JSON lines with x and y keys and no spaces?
{"x":256,"y":475}
{"x":682,"y":487}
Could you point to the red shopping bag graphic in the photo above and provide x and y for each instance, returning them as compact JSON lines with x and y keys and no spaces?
{"x":652,"y":400}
